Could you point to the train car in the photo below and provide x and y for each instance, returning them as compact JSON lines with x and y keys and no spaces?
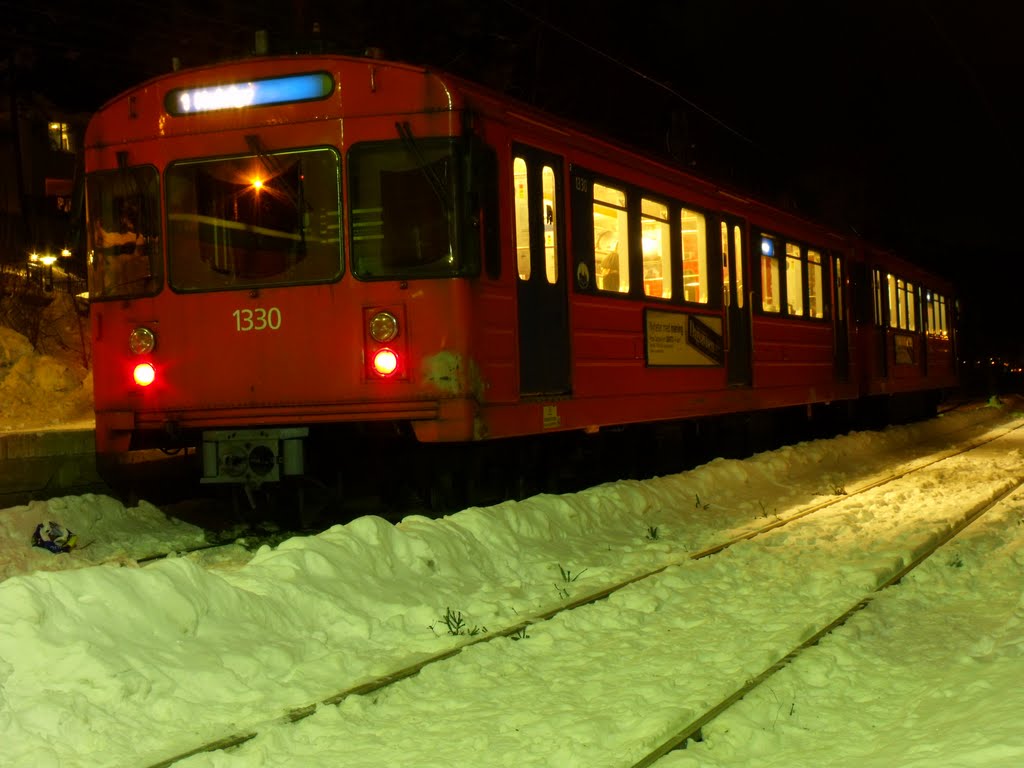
{"x":348,"y":264}
{"x":909,"y":335}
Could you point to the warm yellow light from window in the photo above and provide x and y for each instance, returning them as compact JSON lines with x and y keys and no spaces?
{"x":522,"y":196}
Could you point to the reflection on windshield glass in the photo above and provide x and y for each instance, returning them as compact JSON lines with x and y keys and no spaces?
{"x":124,"y":228}
{"x":263,"y":219}
{"x":402,"y":212}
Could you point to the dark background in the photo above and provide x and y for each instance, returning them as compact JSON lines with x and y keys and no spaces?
{"x":897,"y":119}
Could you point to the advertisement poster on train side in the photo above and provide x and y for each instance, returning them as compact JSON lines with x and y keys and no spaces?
{"x":904,"y":349}
{"x":677,"y":338}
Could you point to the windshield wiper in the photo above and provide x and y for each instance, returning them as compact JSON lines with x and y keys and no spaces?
{"x":429,"y":171}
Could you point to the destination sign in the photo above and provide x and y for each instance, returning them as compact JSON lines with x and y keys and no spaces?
{"x":250,"y":93}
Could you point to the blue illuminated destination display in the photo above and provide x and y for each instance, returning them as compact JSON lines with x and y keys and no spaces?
{"x":250,"y":93}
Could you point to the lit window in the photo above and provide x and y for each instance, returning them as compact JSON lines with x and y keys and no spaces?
{"x":894,"y":304}
{"x":911,"y":307}
{"x":739,"y":265}
{"x":815,"y":291}
{"x":769,"y":276}
{"x":60,"y":137}
{"x":611,"y":238}
{"x":879,"y":296}
{"x":839,"y":280}
{"x":695,"y":256}
{"x":656,"y":251}
{"x":522,"y":195}
{"x":726,"y":295}
{"x":549,"y":214}
{"x":902,"y":304}
{"x":794,"y":280}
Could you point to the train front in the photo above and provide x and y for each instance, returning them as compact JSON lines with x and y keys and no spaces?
{"x":277,"y":254}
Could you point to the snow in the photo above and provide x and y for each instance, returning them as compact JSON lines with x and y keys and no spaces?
{"x":108,"y":662}
{"x":49,"y":386}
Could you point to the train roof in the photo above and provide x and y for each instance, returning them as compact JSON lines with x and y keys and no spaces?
{"x":453,"y":93}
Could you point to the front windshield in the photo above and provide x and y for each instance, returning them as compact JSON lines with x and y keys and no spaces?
{"x":403,"y":210}
{"x":257,"y":220}
{"x":123,"y":212}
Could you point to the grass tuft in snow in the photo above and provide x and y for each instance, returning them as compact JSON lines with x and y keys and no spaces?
{"x":456,"y":624}
{"x":568,"y":576}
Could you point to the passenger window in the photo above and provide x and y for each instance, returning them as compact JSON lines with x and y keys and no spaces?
{"x":522,"y":207}
{"x":815,"y":289}
{"x":794,"y":280}
{"x":894,"y":303}
{"x":901,"y":297}
{"x":656,"y":250}
{"x":611,"y":239}
{"x":726,"y":295}
{"x":879,"y":295}
{"x":911,"y":307}
{"x":839,"y":282}
{"x":739,"y":265}
{"x":549,"y":216}
{"x":770,"y":298}
{"x":695,"y":256}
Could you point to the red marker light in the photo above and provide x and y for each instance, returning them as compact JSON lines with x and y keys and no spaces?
{"x":385,"y":362}
{"x":144,"y":374}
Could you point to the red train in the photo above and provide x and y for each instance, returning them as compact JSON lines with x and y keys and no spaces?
{"x":294,"y":255}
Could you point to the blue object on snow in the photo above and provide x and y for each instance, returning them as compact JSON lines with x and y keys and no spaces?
{"x":54,"y":537}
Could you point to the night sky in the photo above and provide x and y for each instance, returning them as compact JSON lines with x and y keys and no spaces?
{"x":898,"y":119}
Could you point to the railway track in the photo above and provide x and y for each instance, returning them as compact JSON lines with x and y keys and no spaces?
{"x":692,"y":725}
{"x":692,"y":729}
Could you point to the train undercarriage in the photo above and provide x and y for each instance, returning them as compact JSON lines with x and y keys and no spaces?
{"x":334,"y":473}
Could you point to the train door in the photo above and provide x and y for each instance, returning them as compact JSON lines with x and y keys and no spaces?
{"x":541,"y":278}
{"x":737,"y":304}
{"x":922,"y":326}
{"x":881,"y":320}
{"x":841,"y":324}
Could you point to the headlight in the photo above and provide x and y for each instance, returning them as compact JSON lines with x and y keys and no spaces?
{"x":383,"y":327}
{"x":141,"y":341}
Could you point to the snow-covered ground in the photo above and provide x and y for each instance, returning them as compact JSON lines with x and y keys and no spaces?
{"x":116,"y":665}
{"x":47,"y":388}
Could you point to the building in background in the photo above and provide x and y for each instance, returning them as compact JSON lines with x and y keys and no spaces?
{"x":39,"y":162}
